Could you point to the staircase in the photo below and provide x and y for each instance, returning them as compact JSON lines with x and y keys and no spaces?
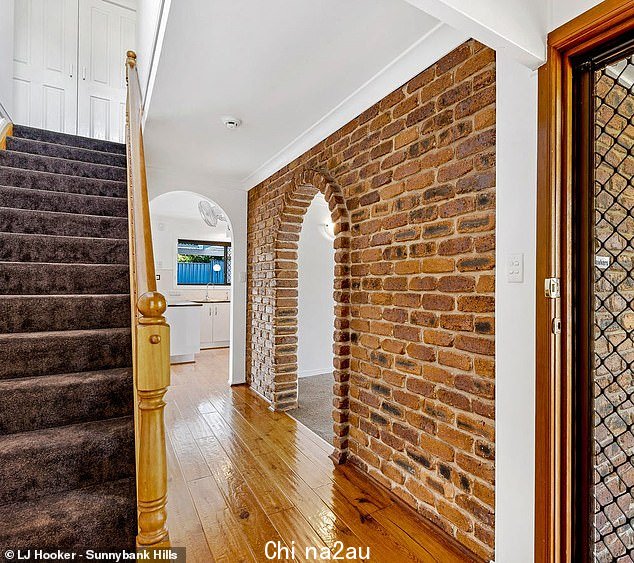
{"x":67,"y":456}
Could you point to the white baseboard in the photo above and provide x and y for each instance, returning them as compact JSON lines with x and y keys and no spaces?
{"x":182,"y":359}
{"x":311,"y":372}
{"x":214,"y":345}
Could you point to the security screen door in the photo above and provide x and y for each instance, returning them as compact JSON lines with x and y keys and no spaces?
{"x":603,"y":211}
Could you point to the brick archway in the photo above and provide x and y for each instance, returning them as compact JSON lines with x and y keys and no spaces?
{"x":305,"y":186}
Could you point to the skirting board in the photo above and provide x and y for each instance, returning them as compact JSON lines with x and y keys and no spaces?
{"x":182,"y":359}
{"x":311,"y":372}
{"x":214,"y":345}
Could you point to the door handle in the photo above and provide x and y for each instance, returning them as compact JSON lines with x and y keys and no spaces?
{"x":83,"y":73}
{"x":71,"y":71}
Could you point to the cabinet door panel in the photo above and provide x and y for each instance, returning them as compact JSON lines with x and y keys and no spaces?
{"x":106,"y":32}
{"x":222,"y":316}
{"x":205,"y":324}
{"x":45,"y":64}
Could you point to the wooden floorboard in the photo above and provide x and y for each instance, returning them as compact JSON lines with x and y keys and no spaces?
{"x":241,"y":475}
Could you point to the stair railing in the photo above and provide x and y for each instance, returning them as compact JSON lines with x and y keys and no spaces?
{"x":150,"y":335}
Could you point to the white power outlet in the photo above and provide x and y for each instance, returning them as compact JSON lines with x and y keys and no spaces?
{"x":515,"y":268}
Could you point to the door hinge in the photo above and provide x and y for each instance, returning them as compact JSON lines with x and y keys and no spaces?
{"x":552,"y":288}
{"x":556,"y":328}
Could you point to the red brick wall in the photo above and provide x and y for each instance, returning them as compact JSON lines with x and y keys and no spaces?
{"x":411,"y":184}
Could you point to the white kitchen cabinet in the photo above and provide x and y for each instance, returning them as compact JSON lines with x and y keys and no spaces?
{"x":220,"y":325}
{"x":205,"y":326}
{"x":215,"y":325}
{"x":184,"y":320}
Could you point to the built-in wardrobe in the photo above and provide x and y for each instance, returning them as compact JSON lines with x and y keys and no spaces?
{"x":68,"y":65}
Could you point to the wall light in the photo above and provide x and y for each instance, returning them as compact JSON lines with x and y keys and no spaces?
{"x":328,"y":231}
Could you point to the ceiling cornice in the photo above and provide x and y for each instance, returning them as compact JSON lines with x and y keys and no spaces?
{"x":423,"y":53}
{"x":499,"y":25}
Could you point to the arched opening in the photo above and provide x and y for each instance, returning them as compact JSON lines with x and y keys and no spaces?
{"x":315,"y":320}
{"x":193,"y":254}
{"x":304,"y":189}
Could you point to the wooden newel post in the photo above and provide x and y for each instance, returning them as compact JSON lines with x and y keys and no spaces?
{"x":131,"y":59}
{"x":153,"y":378}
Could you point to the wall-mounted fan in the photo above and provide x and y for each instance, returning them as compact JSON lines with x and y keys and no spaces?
{"x":210,"y":214}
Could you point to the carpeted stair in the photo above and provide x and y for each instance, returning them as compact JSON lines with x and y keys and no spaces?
{"x":67,"y":475}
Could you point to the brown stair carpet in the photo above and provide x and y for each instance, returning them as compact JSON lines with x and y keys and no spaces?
{"x":66,"y":408}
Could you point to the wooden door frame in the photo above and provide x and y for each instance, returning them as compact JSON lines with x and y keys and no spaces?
{"x":554,"y":400}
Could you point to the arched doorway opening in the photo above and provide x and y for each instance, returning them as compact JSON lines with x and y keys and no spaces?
{"x":297,"y":201}
{"x":193,"y":254}
{"x":315,"y":320}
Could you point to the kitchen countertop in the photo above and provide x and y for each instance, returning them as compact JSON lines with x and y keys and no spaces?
{"x":184,"y":304}
{"x":195,"y":303}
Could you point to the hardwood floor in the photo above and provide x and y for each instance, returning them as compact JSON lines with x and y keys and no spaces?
{"x":241,"y":476}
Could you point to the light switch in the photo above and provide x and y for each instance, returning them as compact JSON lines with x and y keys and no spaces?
{"x":515,"y":268}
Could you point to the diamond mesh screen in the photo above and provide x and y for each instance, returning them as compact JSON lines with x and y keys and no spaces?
{"x":613,"y":441}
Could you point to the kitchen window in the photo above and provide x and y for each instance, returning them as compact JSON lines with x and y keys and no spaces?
{"x":203,"y":262}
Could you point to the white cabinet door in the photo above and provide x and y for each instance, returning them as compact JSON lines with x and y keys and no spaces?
{"x":184,"y":324}
{"x":45,"y":64}
{"x":205,"y":324}
{"x":106,"y":32}
{"x":222,"y":316}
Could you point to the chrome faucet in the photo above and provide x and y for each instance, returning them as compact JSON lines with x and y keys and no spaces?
{"x":207,"y":290}
{"x":215,"y":268}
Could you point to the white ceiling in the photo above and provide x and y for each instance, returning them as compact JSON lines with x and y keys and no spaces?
{"x":284,"y":67}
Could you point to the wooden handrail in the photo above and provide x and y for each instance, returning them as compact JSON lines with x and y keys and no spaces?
{"x":6,"y":127}
{"x":150,"y":335}
{"x":6,"y":130}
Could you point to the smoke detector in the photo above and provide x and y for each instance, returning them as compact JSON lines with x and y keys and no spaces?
{"x":231,"y":122}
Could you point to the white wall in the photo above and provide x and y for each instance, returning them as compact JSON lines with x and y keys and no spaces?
{"x":234,"y":204}
{"x":6,"y":54}
{"x":516,"y":27}
{"x":315,"y":317}
{"x":515,"y":312}
{"x":563,"y":11}
{"x":151,"y":14}
{"x":515,"y":303}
